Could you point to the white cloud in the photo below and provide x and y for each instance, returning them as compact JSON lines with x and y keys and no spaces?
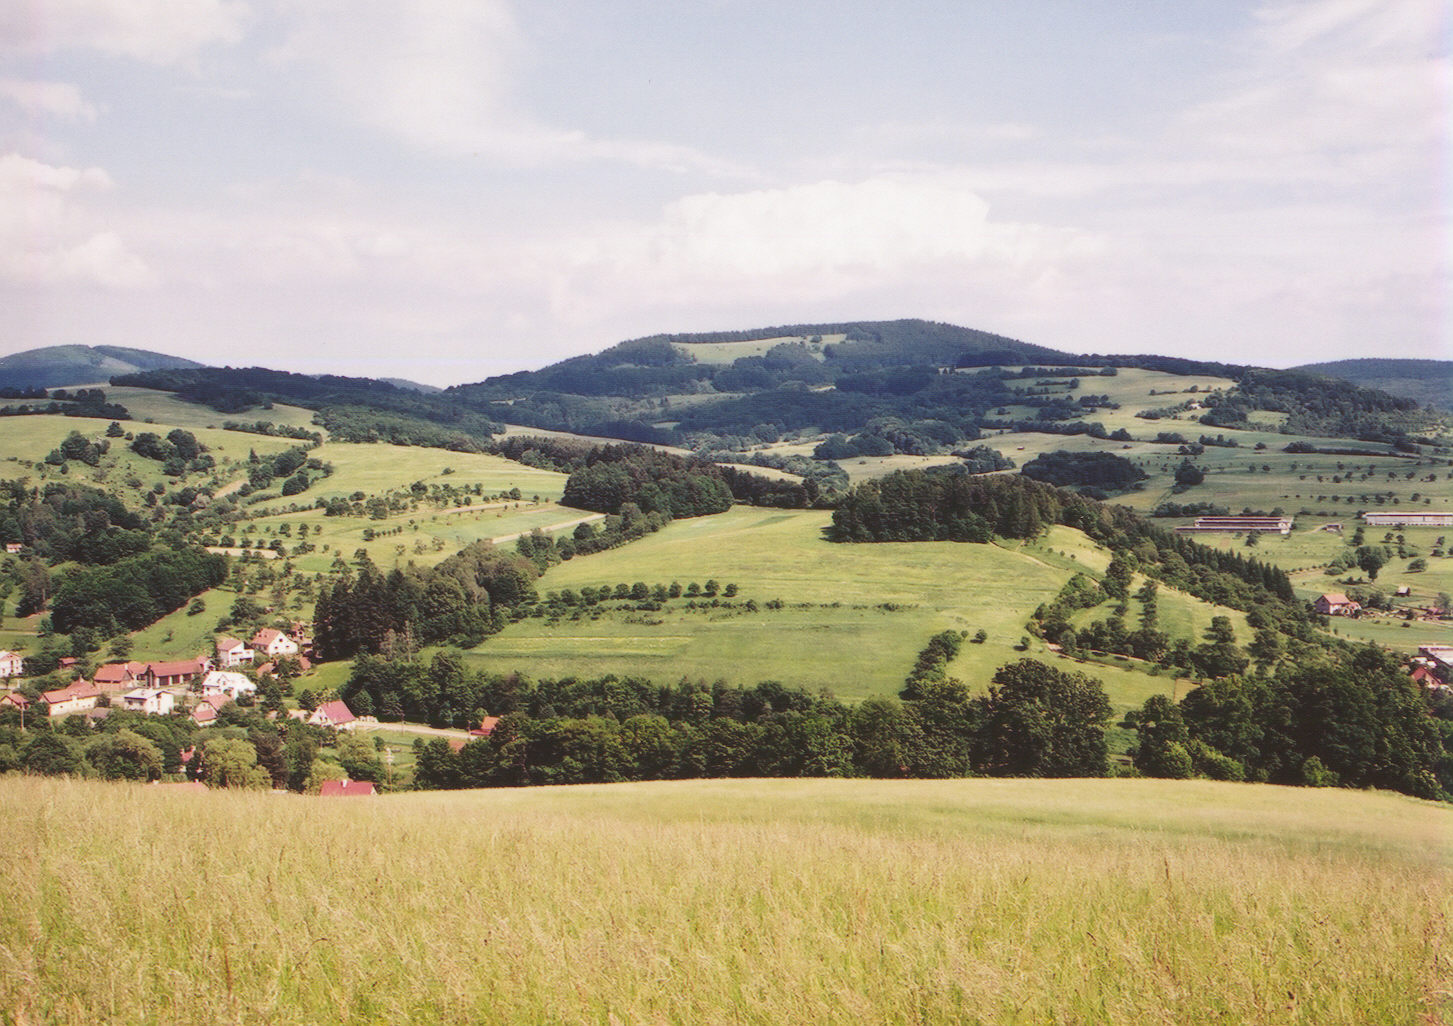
{"x":47,"y":237}
{"x":155,"y":31}
{"x":441,"y":76}
{"x":58,"y":99}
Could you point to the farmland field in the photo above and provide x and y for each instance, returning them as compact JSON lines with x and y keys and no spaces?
{"x":1004,"y":901}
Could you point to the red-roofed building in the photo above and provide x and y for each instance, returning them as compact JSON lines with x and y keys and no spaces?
{"x":274,"y":643}
{"x":1336,"y":604}
{"x":231,"y":652}
{"x":14,"y":700}
{"x":119,"y":676}
{"x":12,"y":664}
{"x":175,"y":674}
{"x":204,"y":713}
{"x":486,"y":727}
{"x":77,"y":697}
{"x":332,"y":714}
{"x":345,"y":788}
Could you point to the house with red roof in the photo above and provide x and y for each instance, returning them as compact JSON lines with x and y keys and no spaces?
{"x":175,"y":674}
{"x":15,"y":700}
{"x":333,"y":714}
{"x":119,"y":676}
{"x":75,"y":697}
{"x":231,"y":652}
{"x":274,"y":643}
{"x":1335,"y":603}
{"x":345,"y":788}
{"x":204,"y":713}
{"x":486,"y":727}
{"x":12,"y":664}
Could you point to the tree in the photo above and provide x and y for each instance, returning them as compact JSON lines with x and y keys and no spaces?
{"x":1038,"y":721}
{"x":1161,"y":751}
{"x":231,"y":762}
{"x":1371,"y":559}
{"x":50,"y":754}
{"x":1219,"y":655}
{"x":1188,"y":475}
{"x":124,"y":755}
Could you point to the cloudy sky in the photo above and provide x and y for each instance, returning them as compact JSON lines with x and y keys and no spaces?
{"x":448,"y":189}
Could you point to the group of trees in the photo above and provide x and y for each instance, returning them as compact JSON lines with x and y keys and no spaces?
{"x":61,"y":521}
{"x":653,"y":481}
{"x":1035,"y":721}
{"x":463,"y":599}
{"x":1104,"y":470}
{"x":135,"y":591}
{"x":1349,"y":717}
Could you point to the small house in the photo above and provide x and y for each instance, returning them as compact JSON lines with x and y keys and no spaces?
{"x":333,"y":714}
{"x":15,"y":700}
{"x":486,"y":727}
{"x":229,"y":683}
{"x":274,"y":643}
{"x":12,"y":664}
{"x":76,"y":697}
{"x":1336,"y":604}
{"x":119,"y":676}
{"x":151,"y":701}
{"x":231,"y":652}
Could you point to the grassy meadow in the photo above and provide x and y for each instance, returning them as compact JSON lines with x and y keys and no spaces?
{"x":814,"y":901}
{"x":853,"y":617}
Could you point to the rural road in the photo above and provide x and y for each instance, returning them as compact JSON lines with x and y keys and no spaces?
{"x":550,"y":527}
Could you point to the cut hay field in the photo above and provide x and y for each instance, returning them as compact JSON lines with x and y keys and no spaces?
{"x":853,"y":617}
{"x":816,"y":901}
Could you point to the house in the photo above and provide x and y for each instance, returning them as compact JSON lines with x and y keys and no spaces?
{"x":332,"y":714}
{"x":75,"y":697}
{"x":204,"y":713}
{"x":224,"y":682}
{"x":274,"y":643}
{"x":12,"y":664}
{"x":231,"y":652}
{"x":152,"y":701}
{"x":175,"y":674}
{"x":1336,"y":604}
{"x":345,"y":788}
{"x":15,"y":700}
{"x":118,"y":676}
{"x":96,"y":714}
{"x":486,"y":727}
{"x":12,"y":548}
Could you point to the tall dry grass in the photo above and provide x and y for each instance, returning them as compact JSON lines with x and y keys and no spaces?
{"x":744,"y":901}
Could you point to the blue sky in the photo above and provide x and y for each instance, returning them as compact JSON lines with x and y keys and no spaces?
{"x":452,"y":189}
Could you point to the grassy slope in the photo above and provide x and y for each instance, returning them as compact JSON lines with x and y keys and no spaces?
{"x":855,"y":648}
{"x":716,"y":901}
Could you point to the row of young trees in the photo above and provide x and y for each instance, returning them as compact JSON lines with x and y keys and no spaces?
{"x":1035,"y":721}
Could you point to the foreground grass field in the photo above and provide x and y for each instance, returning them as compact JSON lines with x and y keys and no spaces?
{"x":820,"y":901}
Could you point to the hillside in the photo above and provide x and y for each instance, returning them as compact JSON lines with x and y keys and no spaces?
{"x":1428,"y":381}
{"x":64,"y":366}
{"x":821,"y":901}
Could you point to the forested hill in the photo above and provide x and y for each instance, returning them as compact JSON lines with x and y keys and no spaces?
{"x":63,"y":366}
{"x":352,"y":409}
{"x":665,"y":364}
{"x":1428,"y":381}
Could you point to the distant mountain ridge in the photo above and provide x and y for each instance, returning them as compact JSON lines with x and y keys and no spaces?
{"x":1428,"y":381}
{"x":63,"y":366}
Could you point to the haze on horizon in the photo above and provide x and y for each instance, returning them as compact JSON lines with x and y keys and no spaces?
{"x":455,"y":189}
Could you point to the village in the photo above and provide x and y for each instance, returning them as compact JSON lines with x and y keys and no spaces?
{"x":196,"y":689}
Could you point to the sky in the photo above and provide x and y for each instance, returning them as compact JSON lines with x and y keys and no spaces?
{"x":444,"y":190}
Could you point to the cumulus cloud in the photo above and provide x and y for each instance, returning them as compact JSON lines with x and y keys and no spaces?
{"x":155,"y":31}
{"x":47,"y":237}
{"x":57,"y":99}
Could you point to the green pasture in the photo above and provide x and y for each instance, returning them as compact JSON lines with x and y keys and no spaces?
{"x":854,"y":617}
{"x":1012,"y":902}
{"x":181,"y":635}
{"x":150,"y":406}
{"x":376,"y":468}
